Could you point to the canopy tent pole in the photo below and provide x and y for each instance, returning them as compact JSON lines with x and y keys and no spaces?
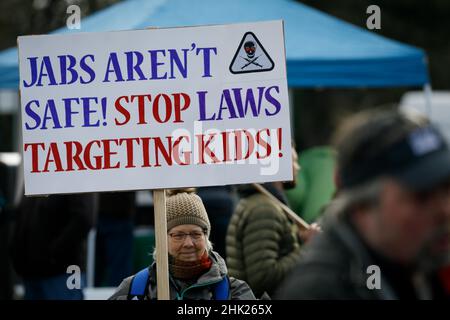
{"x":427,"y":92}
{"x":291,"y":111}
{"x":90,"y":261}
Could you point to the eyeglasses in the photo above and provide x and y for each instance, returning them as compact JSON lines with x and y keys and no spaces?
{"x":181,"y":236}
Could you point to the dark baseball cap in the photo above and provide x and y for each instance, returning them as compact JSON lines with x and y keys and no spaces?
{"x":419,"y":158}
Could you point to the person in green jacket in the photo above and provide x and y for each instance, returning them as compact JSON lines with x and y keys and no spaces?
{"x":262,"y":244}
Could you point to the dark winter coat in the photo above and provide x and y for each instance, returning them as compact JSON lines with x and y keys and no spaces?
{"x":339,"y":265}
{"x":262,"y":243}
{"x":50,"y":233}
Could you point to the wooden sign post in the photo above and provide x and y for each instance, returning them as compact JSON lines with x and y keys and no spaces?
{"x":162,"y":263}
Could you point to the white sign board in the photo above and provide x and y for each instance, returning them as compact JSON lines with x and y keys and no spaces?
{"x":156,"y":108}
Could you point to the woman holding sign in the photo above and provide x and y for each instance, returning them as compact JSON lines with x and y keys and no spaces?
{"x":196,"y":272}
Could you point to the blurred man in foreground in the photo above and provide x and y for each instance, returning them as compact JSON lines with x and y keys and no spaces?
{"x":386,"y":234}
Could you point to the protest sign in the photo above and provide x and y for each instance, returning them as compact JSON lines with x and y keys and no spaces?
{"x":154,"y":108}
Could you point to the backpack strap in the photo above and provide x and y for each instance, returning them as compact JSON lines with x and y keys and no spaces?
{"x":140,"y":282}
{"x":222,"y":289}
{"x":138,"y":286}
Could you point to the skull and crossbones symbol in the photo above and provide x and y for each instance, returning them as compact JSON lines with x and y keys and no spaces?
{"x":250,"y":49}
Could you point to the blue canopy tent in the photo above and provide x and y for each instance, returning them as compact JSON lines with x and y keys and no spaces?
{"x":321,"y":50}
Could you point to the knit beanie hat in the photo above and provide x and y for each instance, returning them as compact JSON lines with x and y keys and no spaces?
{"x":185,"y":207}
